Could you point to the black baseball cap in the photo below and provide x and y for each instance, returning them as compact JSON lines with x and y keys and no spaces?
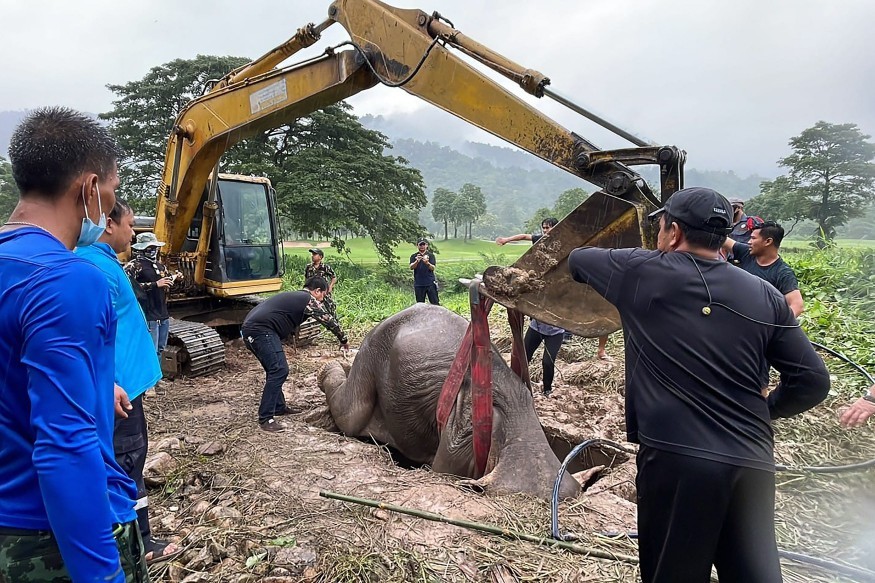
{"x":422,"y":241}
{"x":317,"y":251}
{"x":701,"y":208}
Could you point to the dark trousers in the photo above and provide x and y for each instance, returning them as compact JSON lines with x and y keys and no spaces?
{"x":552,"y":344}
{"x":426,"y":290}
{"x":268,"y":349}
{"x":34,"y":557}
{"x":694,"y":513}
{"x":130,"y":443}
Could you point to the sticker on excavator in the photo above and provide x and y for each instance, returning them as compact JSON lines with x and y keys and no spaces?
{"x":268,"y":97}
{"x":539,"y":284}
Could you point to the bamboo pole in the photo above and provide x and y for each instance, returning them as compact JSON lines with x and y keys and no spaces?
{"x":479,"y":526}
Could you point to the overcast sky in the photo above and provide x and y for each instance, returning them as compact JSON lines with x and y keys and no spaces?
{"x":728,"y":81}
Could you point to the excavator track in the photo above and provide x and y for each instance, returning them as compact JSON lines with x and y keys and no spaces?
{"x":193,"y":349}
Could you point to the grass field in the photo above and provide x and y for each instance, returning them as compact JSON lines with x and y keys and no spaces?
{"x":363,"y":252}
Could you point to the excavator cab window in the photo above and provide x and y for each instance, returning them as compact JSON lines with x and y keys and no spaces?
{"x":248,"y":237}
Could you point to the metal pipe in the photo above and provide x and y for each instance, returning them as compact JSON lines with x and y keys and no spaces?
{"x":598,"y":119}
{"x":481,"y":527}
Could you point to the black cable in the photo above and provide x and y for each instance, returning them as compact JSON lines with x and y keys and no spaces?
{"x":379,"y":77}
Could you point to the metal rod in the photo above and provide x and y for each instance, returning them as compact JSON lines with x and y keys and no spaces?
{"x":478,"y":526}
{"x":599,"y":120}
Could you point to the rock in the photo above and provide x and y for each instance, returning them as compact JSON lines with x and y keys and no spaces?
{"x":197,"y":578}
{"x":279,"y":572}
{"x":217,"y":551}
{"x":200,"y":561}
{"x":158,"y":468}
{"x":211,"y":448}
{"x":192,"y":440}
{"x":200,"y":507}
{"x":220,"y":482}
{"x":249,"y":578}
{"x":224,"y":516}
{"x":167,"y":444}
{"x":295,"y":558}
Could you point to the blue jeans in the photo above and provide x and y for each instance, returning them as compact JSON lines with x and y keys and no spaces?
{"x":159,"y":329}
{"x":268,"y":349}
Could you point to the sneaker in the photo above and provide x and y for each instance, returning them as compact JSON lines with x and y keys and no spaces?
{"x":548,"y":392}
{"x":272,"y":425}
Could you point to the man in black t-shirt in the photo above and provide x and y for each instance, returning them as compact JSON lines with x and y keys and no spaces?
{"x":694,"y":402}
{"x":264,"y":329}
{"x":424,"y":283}
{"x":760,"y":257}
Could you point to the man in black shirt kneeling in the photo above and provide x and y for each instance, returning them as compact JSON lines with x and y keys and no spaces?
{"x":271,"y":322}
{"x":695,"y":401}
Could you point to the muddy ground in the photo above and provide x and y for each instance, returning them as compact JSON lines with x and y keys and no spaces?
{"x":245,"y":505}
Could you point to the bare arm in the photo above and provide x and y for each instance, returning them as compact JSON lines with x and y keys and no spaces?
{"x":859,"y":411}
{"x":727,"y":246}
{"x":794,"y":300}
{"x":520,"y":237}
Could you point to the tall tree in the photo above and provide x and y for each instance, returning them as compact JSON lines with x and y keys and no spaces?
{"x":333,"y":176}
{"x":143,"y":115}
{"x":568,"y":201}
{"x":472,"y":205}
{"x":330,"y":173}
{"x":442,"y":205}
{"x":831,"y":178}
{"x":8,"y":190}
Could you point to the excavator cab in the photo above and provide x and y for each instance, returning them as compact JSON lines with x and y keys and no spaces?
{"x":245,"y":254}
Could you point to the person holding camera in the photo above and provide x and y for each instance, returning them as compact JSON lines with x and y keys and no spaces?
{"x":152,"y":282}
{"x":424,"y":283}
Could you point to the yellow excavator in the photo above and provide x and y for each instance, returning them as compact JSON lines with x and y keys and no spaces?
{"x":221,"y":231}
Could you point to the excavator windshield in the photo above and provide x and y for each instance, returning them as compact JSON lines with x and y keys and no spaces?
{"x":248,"y":231}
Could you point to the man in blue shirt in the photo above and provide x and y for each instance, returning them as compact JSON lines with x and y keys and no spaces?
{"x":136,"y":364}
{"x":66,"y":508}
{"x":424,"y":283}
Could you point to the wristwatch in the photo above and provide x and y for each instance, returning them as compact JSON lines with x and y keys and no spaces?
{"x":869,"y":397}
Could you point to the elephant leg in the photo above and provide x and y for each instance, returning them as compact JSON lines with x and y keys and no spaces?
{"x":351,"y":400}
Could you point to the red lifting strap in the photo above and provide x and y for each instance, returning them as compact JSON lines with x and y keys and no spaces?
{"x":481,"y":384}
{"x":476,"y":340}
{"x":453,"y":383}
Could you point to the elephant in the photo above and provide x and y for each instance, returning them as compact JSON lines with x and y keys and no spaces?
{"x":391,"y":395}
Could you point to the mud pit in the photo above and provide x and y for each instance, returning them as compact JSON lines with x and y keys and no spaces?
{"x":245,"y":504}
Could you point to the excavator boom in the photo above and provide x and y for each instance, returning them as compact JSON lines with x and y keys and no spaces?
{"x":415,"y":51}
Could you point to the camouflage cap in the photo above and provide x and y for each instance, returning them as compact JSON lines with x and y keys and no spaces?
{"x":146,"y":240}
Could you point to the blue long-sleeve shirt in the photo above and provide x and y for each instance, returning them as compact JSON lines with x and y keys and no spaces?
{"x":57,"y":469}
{"x":136,"y":363}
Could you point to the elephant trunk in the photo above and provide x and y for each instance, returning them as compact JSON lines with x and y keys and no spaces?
{"x":526,"y":463}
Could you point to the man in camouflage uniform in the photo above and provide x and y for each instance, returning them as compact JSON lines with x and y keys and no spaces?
{"x":318,"y":267}
{"x":34,"y":558}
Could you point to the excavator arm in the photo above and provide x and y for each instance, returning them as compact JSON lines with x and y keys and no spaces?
{"x":415,"y":51}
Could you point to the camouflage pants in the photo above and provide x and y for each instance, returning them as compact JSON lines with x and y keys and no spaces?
{"x":35,"y":558}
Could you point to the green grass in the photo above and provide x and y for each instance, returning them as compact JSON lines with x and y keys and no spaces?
{"x":363,"y":252}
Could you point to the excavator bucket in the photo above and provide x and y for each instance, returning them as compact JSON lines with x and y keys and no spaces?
{"x":539,"y":284}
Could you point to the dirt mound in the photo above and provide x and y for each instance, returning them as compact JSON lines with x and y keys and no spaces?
{"x":245,"y":504}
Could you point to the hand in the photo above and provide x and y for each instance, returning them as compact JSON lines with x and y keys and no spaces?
{"x":122,"y":403}
{"x":425,"y":259}
{"x":857,"y":414}
{"x":345,"y":346}
{"x":164,"y":282}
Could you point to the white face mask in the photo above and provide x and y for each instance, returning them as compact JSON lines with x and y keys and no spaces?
{"x":89,"y":233}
